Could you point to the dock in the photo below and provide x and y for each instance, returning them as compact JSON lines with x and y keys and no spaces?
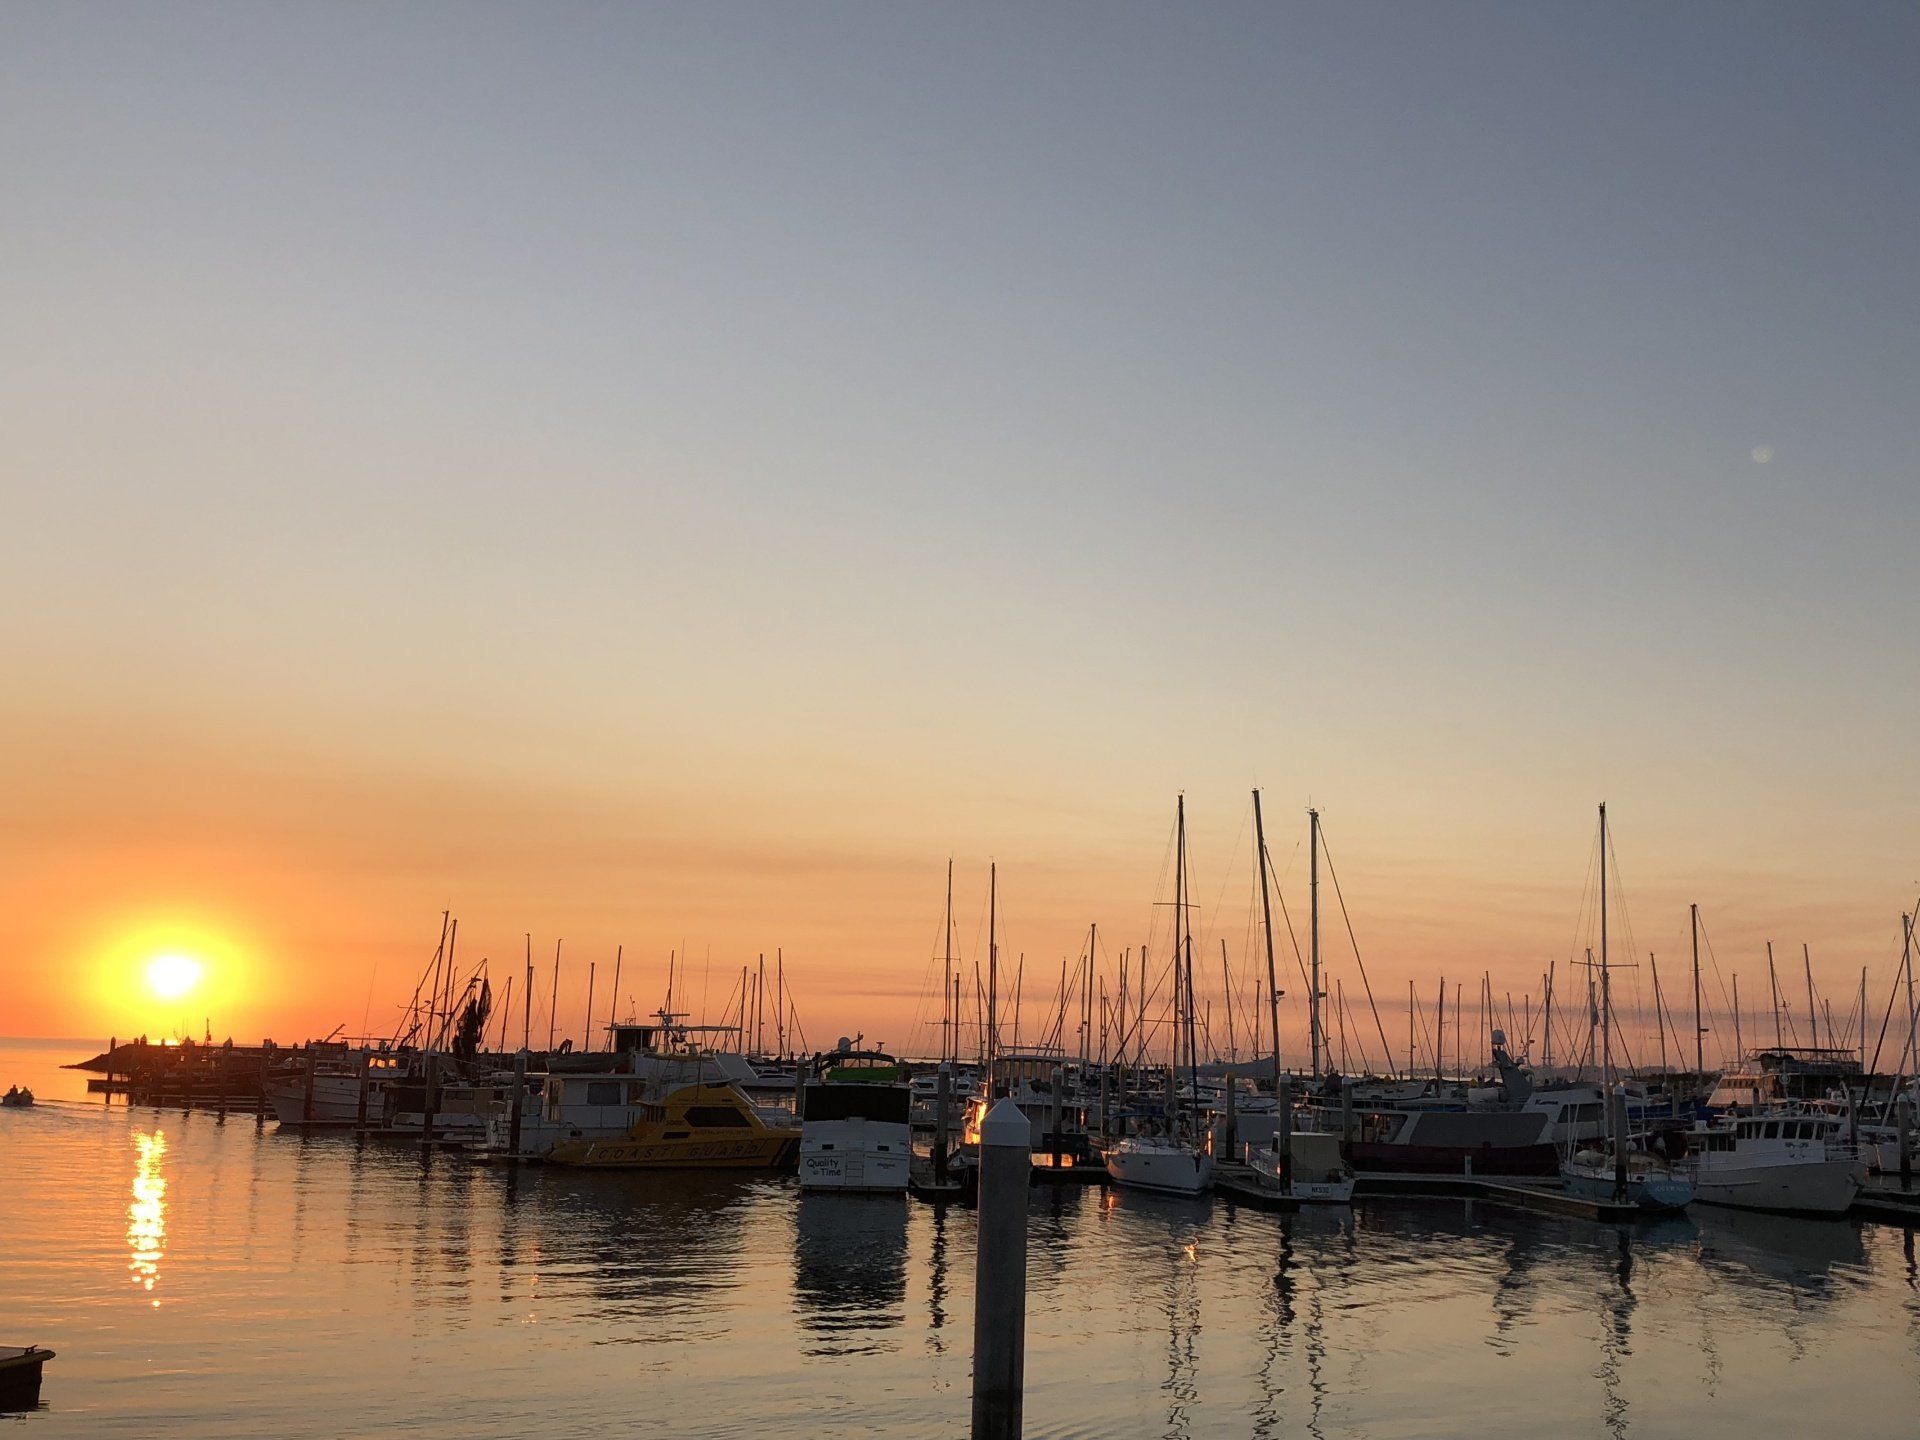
{"x":1241,"y":1185}
{"x":1888,"y":1203}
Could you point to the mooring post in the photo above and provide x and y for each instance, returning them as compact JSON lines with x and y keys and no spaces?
{"x":113,"y":1044}
{"x":1283,"y":1133}
{"x":1106,"y":1099}
{"x":265,"y":1061}
{"x":1000,"y":1273}
{"x":1232,"y":1136}
{"x":942,"y":1101}
{"x":519,"y":1098}
{"x":1346,"y":1110}
{"x":1617,"y":1102}
{"x":360,"y":1101}
{"x":306,"y":1101}
{"x":1059,"y":1078}
{"x":1903,"y":1118}
{"x":220,"y":1075}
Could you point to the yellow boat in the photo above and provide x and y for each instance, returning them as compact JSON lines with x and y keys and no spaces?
{"x":697,"y":1127}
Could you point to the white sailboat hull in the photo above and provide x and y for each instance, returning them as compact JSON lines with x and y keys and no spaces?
{"x":1156,"y":1165}
{"x":1804,"y":1187}
{"x":336,"y":1101}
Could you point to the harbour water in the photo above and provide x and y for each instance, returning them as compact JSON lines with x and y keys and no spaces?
{"x":212,"y":1277}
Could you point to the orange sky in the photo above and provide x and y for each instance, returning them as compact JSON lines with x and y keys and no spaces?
{"x":312,"y":886}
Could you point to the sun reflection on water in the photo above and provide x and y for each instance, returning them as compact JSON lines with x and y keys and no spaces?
{"x":147,"y":1214}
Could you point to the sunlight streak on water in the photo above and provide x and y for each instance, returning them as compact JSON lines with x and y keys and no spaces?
{"x":147,"y":1214}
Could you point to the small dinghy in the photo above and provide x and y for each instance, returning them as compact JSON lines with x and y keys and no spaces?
{"x":16,"y":1098}
{"x":20,"y":1376}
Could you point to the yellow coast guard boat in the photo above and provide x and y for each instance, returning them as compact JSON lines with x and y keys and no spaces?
{"x":697,"y":1127}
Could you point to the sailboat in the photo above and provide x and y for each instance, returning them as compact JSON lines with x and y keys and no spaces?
{"x":1617,"y":1171}
{"x":1172,"y":1160}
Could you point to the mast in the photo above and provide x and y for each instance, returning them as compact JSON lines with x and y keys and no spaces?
{"x":1773,"y":989}
{"x":1180,"y":917}
{"x":1313,"y":983}
{"x":1606,"y":1007}
{"x":586,"y":1041}
{"x":1546,"y":1020}
{"x":526,"y":1001}
{"x":1659,"y":1011}
{"x":1739,"y":1045}
{"x":1266,"y":923}
{"x":947,"y":984}
{"x":1699,"y":1030}
{"x":1907,"y":960}
{"x":1813,"y":1015}
{"x":1226,"y":984}
{"x":553,"y":1002}
{"x":993,"y":971}
{"x":613,"y":1007}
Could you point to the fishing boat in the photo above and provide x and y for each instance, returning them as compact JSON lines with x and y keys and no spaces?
{"x":1178,"y":1159}
{"x":1795,"y":1162}
{"x":856,"y":1125}
{"x":692,"y":1127}
{"x":335,"y":1079}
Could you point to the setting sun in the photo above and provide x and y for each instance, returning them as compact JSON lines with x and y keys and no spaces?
{"x":172,"y":976}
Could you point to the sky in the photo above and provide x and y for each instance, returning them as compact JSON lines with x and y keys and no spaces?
{"x":671,"y":477}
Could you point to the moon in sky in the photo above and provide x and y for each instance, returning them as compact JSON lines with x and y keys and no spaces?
{"x":172,"y":976}
{"x":1762,"y":454}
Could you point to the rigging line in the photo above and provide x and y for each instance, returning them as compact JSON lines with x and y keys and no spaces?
{"x":1355,"y":941}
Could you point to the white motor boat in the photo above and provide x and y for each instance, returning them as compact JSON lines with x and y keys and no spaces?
{"x":1793,"y":1162}
{"x":856,"y":1126}
{"x":1156,"y":1162}
{"x":1319,"y":1174}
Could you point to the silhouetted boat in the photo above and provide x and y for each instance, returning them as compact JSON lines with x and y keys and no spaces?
{"x":20,"y":1376}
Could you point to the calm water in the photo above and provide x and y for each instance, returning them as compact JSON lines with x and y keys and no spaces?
{"x":227,"y":1280}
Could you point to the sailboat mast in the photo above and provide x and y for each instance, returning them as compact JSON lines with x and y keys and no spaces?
{"x":1659,"y":1010}
{"x":1699,"y":1030}
{"x":1813,"y":1015}
{"x":1606,"y":1007}
{"x":947,"y":1051}
{"x":1739,"y":1044}
{"x":1313,"y":982}
{"x":993,"y":971}
{"x":526,"y":1001}
{"x":613,"y":1005}
{"x":1773,"y":992}
{"x":1193,"y":1073}
{"x":1266,"y":922}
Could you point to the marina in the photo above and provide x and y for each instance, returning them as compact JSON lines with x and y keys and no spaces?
{"x":1033,"y":722}
{"x":581,"y":1294}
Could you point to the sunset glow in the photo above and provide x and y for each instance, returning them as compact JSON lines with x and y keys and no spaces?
{"x":173,"y":977}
